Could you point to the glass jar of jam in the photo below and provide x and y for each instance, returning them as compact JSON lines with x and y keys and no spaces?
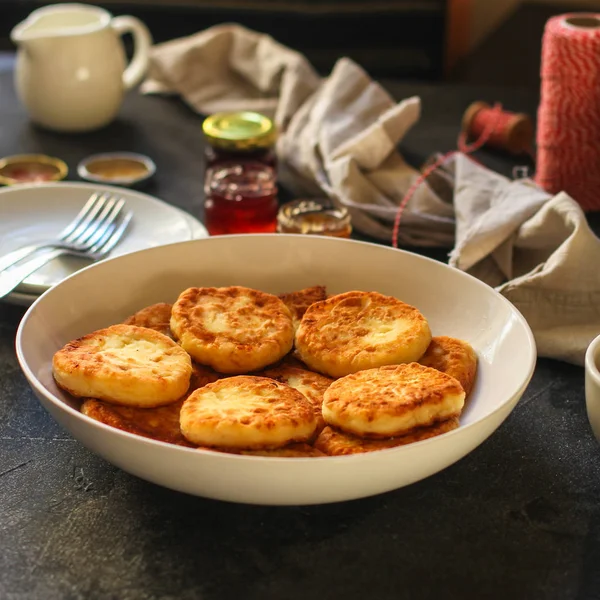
{"x":239,"y":137}
{"x":310,"y":216}
{"x":240,"y":198}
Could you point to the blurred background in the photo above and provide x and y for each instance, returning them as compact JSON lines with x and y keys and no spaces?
{"x":475,"y":41}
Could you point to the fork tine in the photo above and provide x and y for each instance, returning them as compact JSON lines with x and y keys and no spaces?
{"x":118,"y":232}
{"x":71,"y":231}
{"x":97,"y":234}
{"x":105,"y":229}
{"x":86,"y":239}
{"x":68,"y":230}
{"x":82,"y":227}
{"x":103,"y":238}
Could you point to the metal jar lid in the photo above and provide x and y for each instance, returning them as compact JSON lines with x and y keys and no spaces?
{"x":242,"y":130}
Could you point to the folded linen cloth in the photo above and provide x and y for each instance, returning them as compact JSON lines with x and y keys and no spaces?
{"x":339,"y":137}
{"x":536,"y":249}
{"x":229,"y":68}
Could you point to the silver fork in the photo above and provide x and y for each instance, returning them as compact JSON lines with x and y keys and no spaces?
{"x":77,"y":234}
{"x":107,"y":240}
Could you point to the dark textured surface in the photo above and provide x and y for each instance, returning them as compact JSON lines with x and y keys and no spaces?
{"x":518,"y":518}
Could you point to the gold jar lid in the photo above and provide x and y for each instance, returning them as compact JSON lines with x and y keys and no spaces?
{"x":314,"y":217}
{"x":243,"y":130}
{"x":31,"y":168}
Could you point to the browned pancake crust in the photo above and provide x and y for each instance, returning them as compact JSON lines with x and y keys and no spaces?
{"x":337,"y":443}
{"x":311,"y":385}
{"x":454,"y":357}
{"x":155,"y":316}
{"x":255,"y":328}
{"x":392,"y":400}
{"x":247,"y":413}
{"x":291,"y":360}
{"x":201,"y":376}
{"x":160,"y":424}
{"x":299,"y":301}
{"x":290,"y":451}
{"x":357,"y":330}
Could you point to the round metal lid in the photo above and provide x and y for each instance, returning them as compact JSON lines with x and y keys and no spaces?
{"x":239,"y":130}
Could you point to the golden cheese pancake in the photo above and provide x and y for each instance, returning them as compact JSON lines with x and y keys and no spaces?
{"x":453,"y":357}
{"x":311,"y":385}
{"x":391,"y":401}
{"x":232,"y":329}
{"x":360,"y":330}
{"x":337,"y":443}
{"x":299,"y":301}
{"x":124,"y":364}
{"x":155,"y":316}
{"x":157,"y":423}
{"x":248,"y":413}
{"x":289,"y":451}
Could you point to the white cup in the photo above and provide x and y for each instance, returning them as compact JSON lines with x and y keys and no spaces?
{"x":592,"y":385}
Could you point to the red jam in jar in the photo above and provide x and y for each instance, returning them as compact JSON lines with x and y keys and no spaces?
{"x":242,"y":136}
{"x":241,"y":198}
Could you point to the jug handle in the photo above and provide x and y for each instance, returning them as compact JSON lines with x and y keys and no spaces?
{"x":142,"y":40}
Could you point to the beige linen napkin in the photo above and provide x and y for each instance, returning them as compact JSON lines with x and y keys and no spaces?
{"x":339,"y":137}
{"x":537,"y":250}
{"x":229,"y":68}
{"x":344,"y":138}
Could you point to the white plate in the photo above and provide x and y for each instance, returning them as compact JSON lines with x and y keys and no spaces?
{"x":454,"y":303}
{"x":32,"y":213}
{"x":21,"y":299}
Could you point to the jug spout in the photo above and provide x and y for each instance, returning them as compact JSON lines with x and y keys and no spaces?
{"x":22,"y":33}
{"x":24,"y":37}
{"x":59,"y":20}
{"x":27,"y":36}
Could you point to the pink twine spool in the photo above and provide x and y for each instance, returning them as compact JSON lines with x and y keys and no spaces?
{"x":568,"y":131}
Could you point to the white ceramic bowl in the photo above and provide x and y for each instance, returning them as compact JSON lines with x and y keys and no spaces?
{"x":454,"y":303}
{"x":592,"y":385}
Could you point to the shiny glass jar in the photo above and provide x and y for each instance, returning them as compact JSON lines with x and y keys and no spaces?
{"x":239,"y":137}
{"x":316,"y":218}
{"x":240,"y":198}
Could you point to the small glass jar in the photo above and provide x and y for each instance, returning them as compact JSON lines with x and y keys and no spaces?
{"x":310,"y":216}
{"x":239,"y":137}
{"x":240,"y":198}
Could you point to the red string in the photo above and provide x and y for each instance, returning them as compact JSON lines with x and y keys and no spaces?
{"x":494,"y":118}
{"x":498,"y":136}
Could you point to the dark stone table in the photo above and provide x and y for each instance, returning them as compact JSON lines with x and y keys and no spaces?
{"x":518,"y":518}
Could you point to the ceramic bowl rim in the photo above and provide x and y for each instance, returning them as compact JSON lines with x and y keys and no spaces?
{"x":591,"y":357}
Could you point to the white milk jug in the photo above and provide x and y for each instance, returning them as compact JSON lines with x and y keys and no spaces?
{"x":71,"y":72}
